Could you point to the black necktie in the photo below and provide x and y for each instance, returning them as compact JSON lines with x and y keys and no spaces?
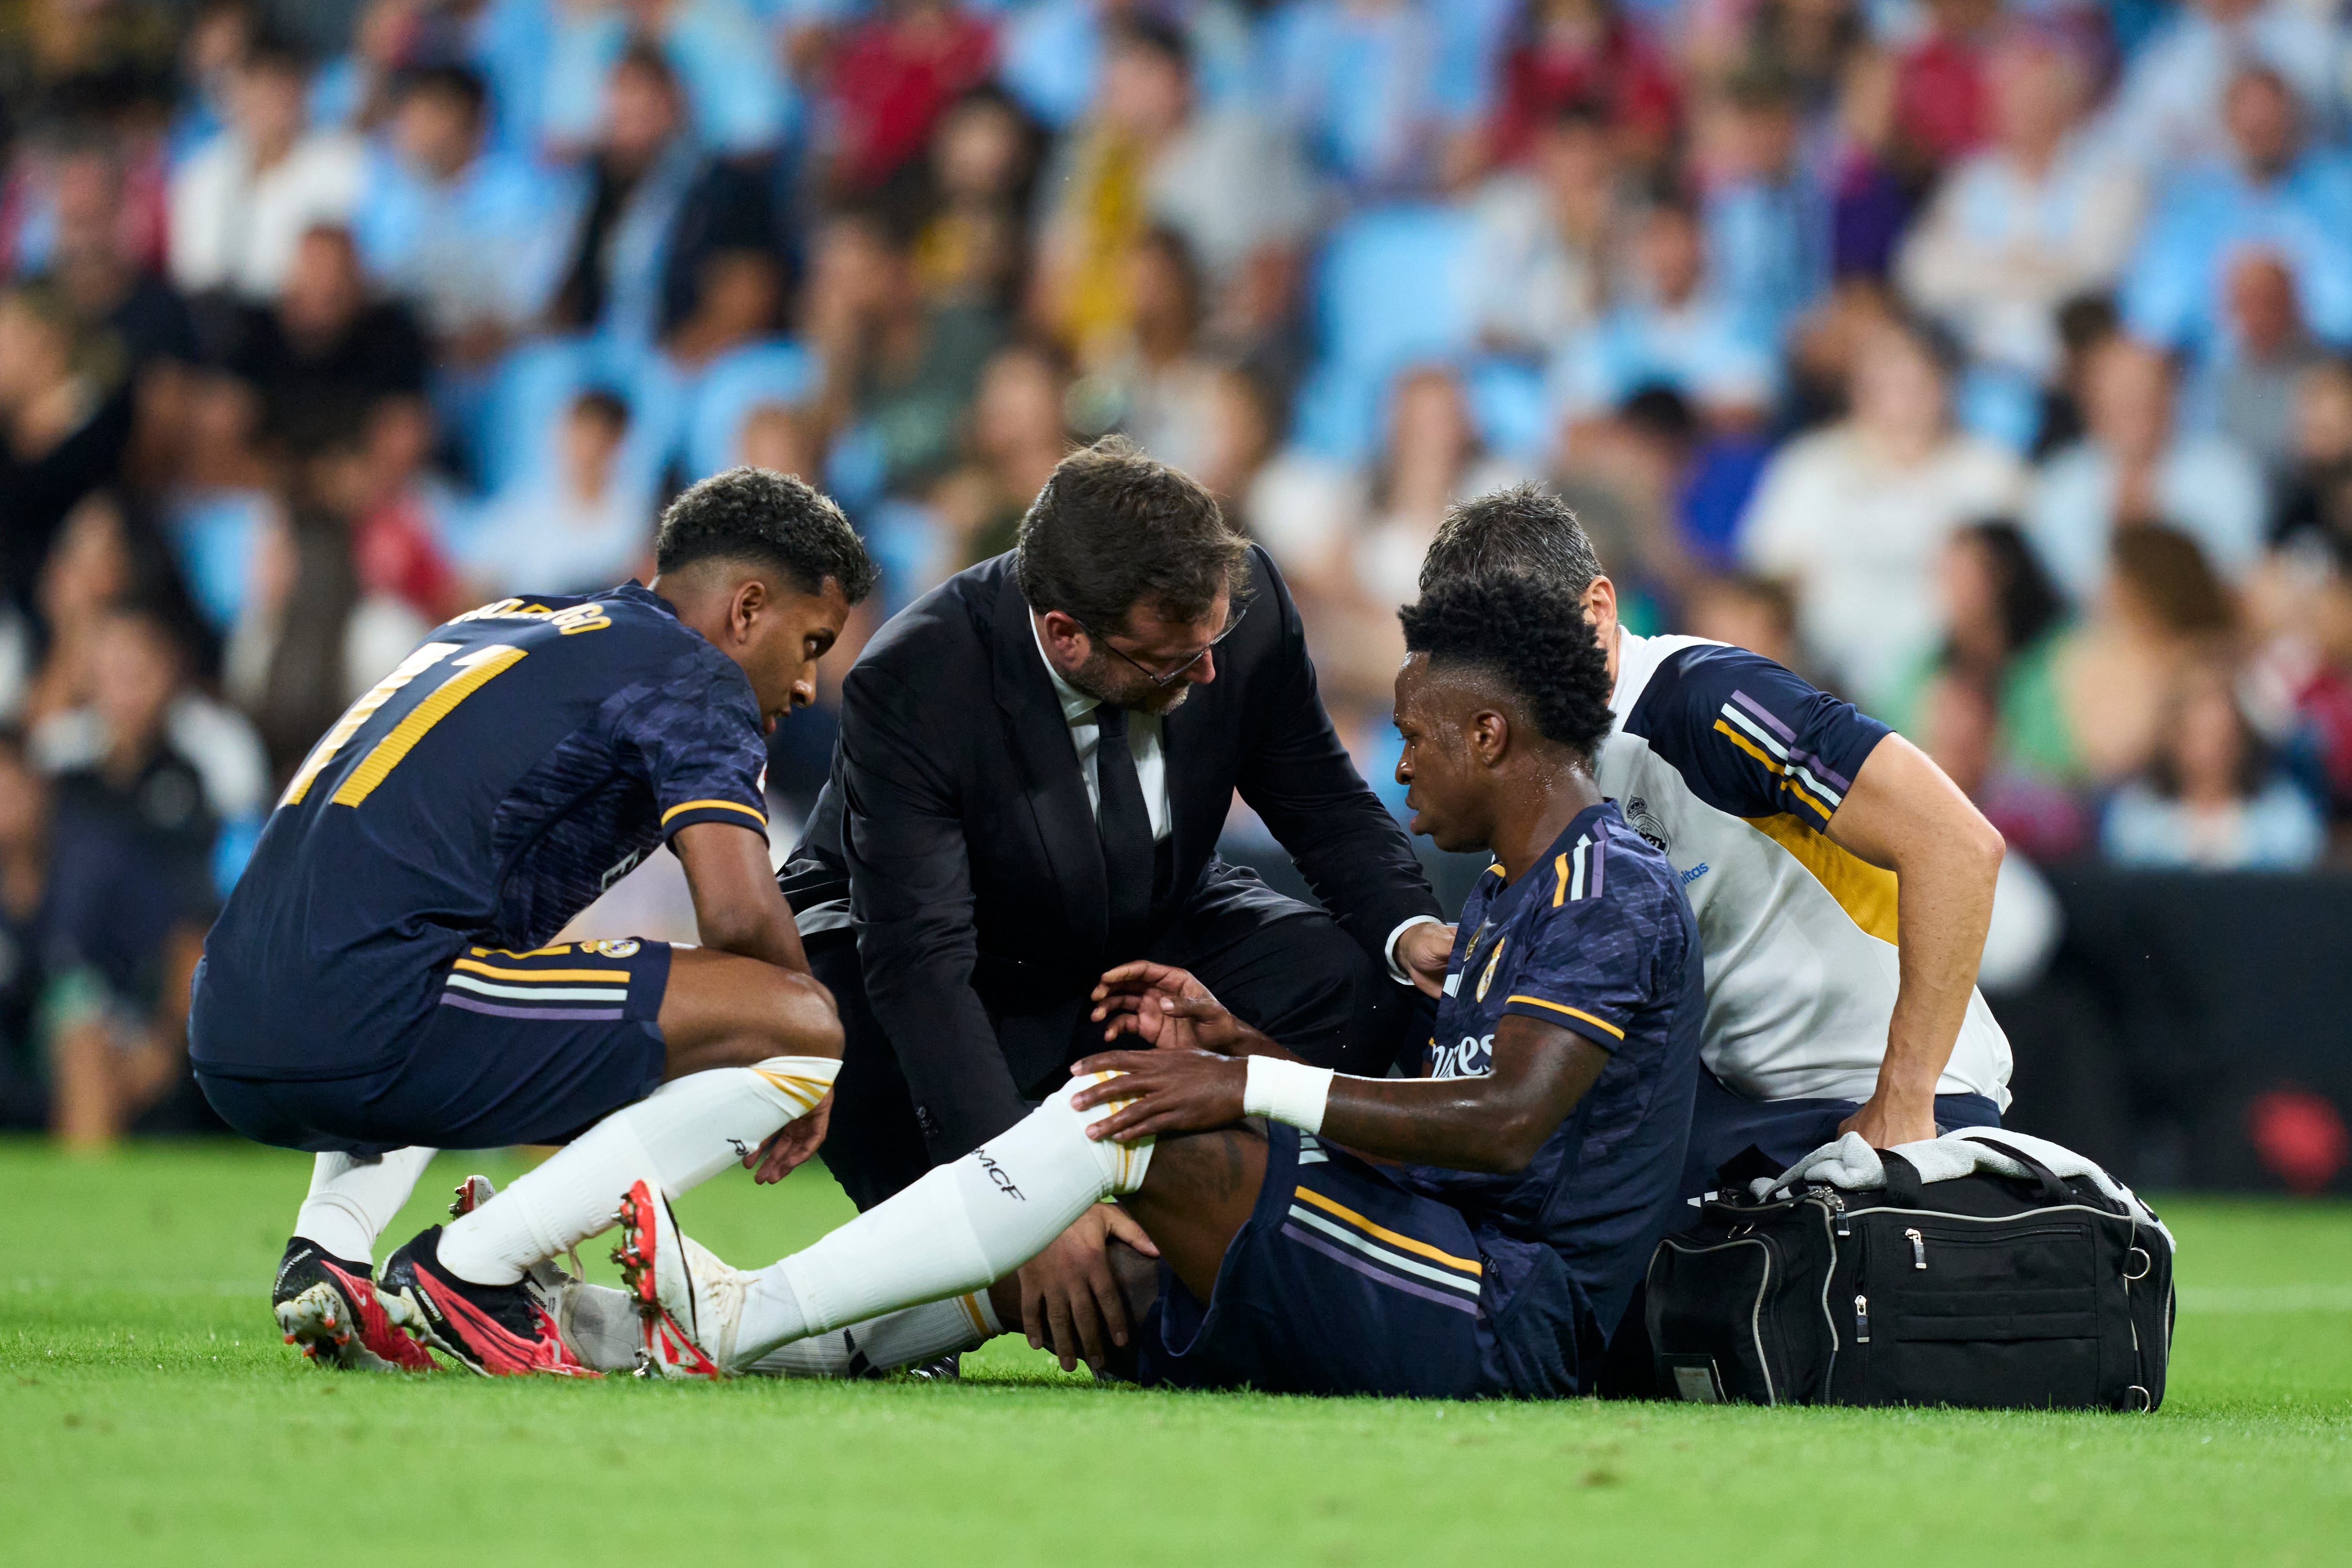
{"x":1126,"y":829}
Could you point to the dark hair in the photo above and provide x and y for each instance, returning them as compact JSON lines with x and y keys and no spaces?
{"x":604,"y":405}
{"x":1527,"y":637}
{"x":1114,"y":528}
{"x":774,"y":519}
{"x":1153,"y":36}
{"x":463,"y":84}
{"x":643,"y":53}
{"x":2168,"y":571}
{"x":2256,"y":760}
{"x":2028,"y":603}
{"x":1521,"y":532}
{"x":277,"y":53}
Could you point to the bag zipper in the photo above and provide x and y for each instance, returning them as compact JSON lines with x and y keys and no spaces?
{"x":1862,"y":1319}
{"x":1919,"y":1247}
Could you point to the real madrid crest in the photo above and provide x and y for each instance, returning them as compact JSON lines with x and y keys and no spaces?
{"x":627,"y":947}
{"x":1487,"y":976}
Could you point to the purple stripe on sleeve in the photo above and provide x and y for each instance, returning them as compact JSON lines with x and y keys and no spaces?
{"x":1410,"y":1287}
{"x":1599,"y":853}
{"x":1828,"y":775}
{"x":550,"y":1014}
{"x":1770,"y":723}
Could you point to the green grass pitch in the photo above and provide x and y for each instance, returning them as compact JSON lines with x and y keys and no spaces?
{"x":149,"y":1414}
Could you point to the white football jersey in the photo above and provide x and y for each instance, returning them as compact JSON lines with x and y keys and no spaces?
{"x":1733,"y":766}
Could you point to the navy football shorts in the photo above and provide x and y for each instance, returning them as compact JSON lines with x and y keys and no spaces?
{"x":1341,"y":1282}
{"x":524,"y":1048}
{"x":1724,"y":1123}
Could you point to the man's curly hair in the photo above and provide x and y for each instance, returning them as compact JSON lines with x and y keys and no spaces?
{"x":1532,"y":639}
{"x":770,"y":518}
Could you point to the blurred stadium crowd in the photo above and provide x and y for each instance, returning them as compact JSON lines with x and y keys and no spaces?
{"x":1986,"y":364}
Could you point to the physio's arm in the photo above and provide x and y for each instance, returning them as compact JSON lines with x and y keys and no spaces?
{"x":737,"y":906}
{"x":1905,"y":816}
{"x":1492,"y":1123}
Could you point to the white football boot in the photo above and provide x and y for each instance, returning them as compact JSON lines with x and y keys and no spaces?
{"x":691,"y":1302}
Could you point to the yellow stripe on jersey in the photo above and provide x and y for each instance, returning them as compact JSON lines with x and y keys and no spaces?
{"x":479,"y":668}
{"x":1864,"y":891}
{"x":1779,"y":772}
{"x":1467,"y":1264}
{"x":721,"y":804}
{"x":1571,"y":1012}
{"x":1559,"y":894}
{"x":607,"y":976}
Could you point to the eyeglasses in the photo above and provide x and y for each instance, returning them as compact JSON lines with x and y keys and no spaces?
{"x":1232,"y":624}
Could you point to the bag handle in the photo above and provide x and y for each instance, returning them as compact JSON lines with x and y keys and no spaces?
{"x":1903,"y":1182}
{"x":2052,"y":1187}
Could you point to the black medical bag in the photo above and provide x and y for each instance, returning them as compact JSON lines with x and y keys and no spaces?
{"x":1982,"y":1289}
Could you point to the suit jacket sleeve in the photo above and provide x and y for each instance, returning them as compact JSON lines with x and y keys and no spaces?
{"x":910,"y":891}
{"x":1300,"y":780}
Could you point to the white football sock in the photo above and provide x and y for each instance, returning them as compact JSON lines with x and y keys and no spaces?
{"x":351,"y":1201}
{"x":960,"y":1228}
{"x":888,"y":1342}
{"x":678,"y":1137}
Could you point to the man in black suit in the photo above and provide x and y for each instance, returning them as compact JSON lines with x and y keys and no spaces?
{"x":1036,"y":761}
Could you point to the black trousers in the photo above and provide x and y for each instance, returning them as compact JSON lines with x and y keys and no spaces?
{"x":1291,"y":973}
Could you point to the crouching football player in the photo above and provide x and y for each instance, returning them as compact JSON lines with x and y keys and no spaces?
{"x":1537,"y":1157}
{"x":378,"y":984}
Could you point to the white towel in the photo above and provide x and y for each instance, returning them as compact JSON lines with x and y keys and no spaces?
{"x":1852,"y":1164}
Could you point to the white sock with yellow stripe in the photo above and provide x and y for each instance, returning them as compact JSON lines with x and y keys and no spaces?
{"x":961,"y":1228}
{"x":678,"y":1137}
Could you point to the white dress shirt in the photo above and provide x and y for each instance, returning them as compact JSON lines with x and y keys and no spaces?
{"x":236,"y":227}
{"x":1086,"y":737}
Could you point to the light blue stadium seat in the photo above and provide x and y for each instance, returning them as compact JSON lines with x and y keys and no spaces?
{"x":1390,"y":290}
{"x":777,"y":371}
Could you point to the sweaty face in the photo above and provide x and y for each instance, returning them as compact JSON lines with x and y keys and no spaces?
{"x":1436,"y":768}
{"x":792,"y":632}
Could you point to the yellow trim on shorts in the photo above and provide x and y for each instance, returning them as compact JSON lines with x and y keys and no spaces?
{"x":605,"y":974}
{"x":1468,"y":1264}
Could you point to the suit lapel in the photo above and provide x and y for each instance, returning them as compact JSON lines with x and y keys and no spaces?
{"x":1056,"y":791}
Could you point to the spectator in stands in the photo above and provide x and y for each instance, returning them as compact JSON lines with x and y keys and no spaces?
{"x":895,"y":78}
{"x":2274,"y":192}
{"x":984,"y":164}
{"x":1357,"y":82}
{"x":1545,"y":250}
{"x":1166,"y":386}
{"x":106,"y":556}
{"x":2170,"y":109}
{"x":574,"y":530}
{"x":2044,"y":214}
{"x":144,"y":776}
{"x":735,"y":100}
{"x":739,"y":300}
{"x":26,"y":854}
{"x":649,"y":210}
{"x":2130,"y":468}
{"x":1748,"y":611}
{"x":2212,"y":795}
{"x":902,"y":366}
{"x":325,"y":343}
{"x":2315,"y":499}
{"x":467,"y":237}
{"x":1857,"y":515}
{"x":1017,"y":431}
{"x":95,"y":267}
{"x":1151,"y":152}
{"x":1675,"y":331}
{"x":398,"y":517}
{"x":1586,"y":51}
{"x":2249,"y":396}
{"x":64,"y":423}
{"x":1351,"y":541}
{"x":1943,"y":97}
{"x":241,"y":205}
{"x":359,"y":90}
{"x":1960,"y":730}
{"x":2160,"y":605}
{"x":2003,"y":623}
{"x":1768,"y":226}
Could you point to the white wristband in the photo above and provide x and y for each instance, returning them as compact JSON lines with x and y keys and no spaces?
{"x":1286,"y":1091}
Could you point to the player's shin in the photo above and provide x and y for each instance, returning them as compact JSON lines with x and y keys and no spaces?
{"x":960,"y":1228}
{"x":351,"y":1200}
{"x":678,"y":1137}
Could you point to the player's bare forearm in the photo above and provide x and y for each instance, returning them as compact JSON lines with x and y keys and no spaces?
{"x":1904,"y":814}
{"x":737,"y":907}
{"x":1496,"y":1122}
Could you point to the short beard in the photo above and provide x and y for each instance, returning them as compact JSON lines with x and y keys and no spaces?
{"x":1100,"y":678}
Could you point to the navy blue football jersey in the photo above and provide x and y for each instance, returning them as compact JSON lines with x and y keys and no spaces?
{"x":1595,"y":938}
{"x":524,"y":758}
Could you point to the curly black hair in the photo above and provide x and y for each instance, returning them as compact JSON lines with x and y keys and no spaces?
{"x":1532,"y":639}
{"x":756,"y":514}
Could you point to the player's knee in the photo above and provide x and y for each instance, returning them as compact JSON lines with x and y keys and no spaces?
{"x":797,"y":1017}
{"x":1123,"y":1165}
